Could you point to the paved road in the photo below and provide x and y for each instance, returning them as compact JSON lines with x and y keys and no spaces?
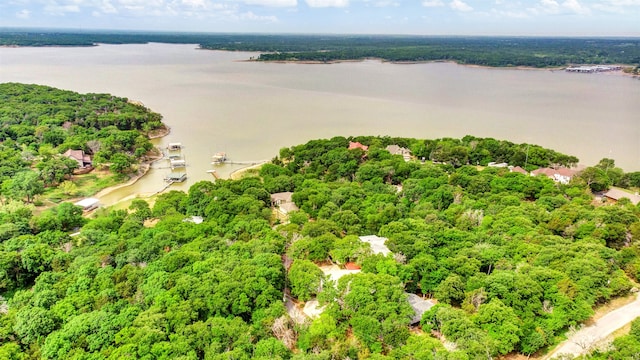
{"x":583,"y":340}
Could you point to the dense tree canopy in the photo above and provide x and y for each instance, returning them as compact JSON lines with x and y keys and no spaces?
{"x":512,"y":260}
{"x":39,"y":123}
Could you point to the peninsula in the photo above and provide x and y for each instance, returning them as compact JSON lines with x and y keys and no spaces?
{"x":504,"y":51}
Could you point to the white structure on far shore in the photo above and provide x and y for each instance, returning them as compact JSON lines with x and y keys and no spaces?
{"x":593,"y":69}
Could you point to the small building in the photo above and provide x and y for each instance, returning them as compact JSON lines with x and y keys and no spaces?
{"x":283,"y":205}
{"x":357,"y":145}
{"x":419,"y":306}
{"x":398,"y":150}
{"x":498,"y":165}
{"x":278,"y":199}
{"x":615,"y":195}
{"x":83,"y":160}
{"x":88,"y":204}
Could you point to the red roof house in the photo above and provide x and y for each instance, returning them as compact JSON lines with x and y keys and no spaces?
{"x":561,"y":175}
{"x":357,"y":145}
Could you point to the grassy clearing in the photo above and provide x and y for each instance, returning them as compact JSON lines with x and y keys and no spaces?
{"x":84,"y":186}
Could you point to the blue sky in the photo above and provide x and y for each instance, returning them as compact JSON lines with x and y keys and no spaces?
{"x":425,"y":17}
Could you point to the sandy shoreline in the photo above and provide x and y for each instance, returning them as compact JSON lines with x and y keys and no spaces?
{"x":142,"y":170}
{"x":238,"y":174}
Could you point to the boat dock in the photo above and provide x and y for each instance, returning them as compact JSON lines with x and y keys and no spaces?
{"x":175,"y":177}
{"x":177,"y":163}
{"x":219,"y":158}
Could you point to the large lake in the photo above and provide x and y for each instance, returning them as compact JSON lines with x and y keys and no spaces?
{"x":213,"y":101}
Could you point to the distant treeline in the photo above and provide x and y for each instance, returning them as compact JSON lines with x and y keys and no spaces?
{"x":486,"y":51}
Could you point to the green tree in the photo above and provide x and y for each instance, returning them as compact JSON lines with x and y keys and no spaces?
{"x":120,"y":163}
{"x":33,"y":324}
{"x":24,"y":185}
{"x":451,"y":290}
{"x":305,"y":279}
{"x":595,"y":178}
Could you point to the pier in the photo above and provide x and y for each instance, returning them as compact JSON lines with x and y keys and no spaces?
{"x":256,"y":162}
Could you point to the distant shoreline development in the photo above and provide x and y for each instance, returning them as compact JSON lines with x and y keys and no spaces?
{"x":589,"y":69}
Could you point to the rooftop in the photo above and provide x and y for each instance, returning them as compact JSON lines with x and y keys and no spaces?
{"x":377,"y":244}
{"x":617,"y":194}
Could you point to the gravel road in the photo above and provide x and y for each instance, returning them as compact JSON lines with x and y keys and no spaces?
{"x":583,"y":340}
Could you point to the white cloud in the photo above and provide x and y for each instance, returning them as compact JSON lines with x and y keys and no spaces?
{"x":460,"y":5}
{"x":383,"y":3}
{"x":272,"y":3}
{"x":510,"y":14}
{"x":107,"y":7}
{"x":565,"y":7}
{"x":575,"y":7}
{"x":59,"y":10}
{"x":194,"y":3}
{"x":549,"y":6}
{"x":327,"y":3}
{"x":622,"y":2}
{"x":23,"y":14}
{"x":618,"y":6}
{"x":253,"y":17}
{"x":432,"y":3}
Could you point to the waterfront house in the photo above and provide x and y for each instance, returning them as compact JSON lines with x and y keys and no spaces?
{"x":357,"y":145}
{"x":560,"y":175}
{"x":398,"y":150}
{"x":283,"y":205}
{"x":616,"y":195}
{"x":83,"y":160}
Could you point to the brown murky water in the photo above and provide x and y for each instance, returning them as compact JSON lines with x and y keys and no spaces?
{"x":213,"y":102}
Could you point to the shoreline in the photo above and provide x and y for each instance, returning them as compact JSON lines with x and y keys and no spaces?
{"x":144,"y":168}
{"x":239,"y":173}
{"x":383,"y":61}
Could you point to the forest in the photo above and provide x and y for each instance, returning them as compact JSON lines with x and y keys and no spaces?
{"x":39,"y":123}
{"x":486,"y":51}
{"x":512,"y":260}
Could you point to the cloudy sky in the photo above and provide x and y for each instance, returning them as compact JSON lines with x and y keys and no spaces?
{"x":428,"y":17}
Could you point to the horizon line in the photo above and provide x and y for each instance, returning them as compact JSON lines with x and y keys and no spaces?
{"x":289,"y":33}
